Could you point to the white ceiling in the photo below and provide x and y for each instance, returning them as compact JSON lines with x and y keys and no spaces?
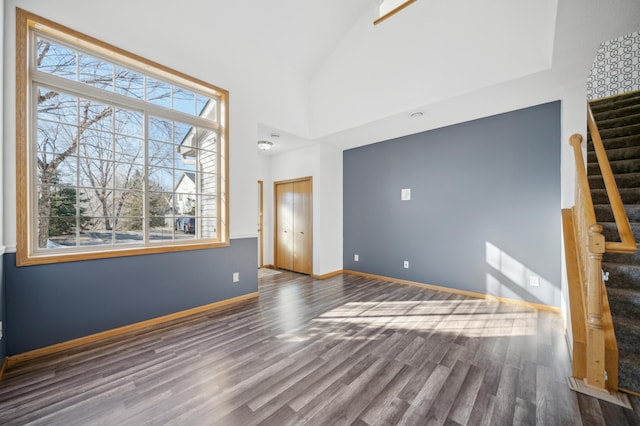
{"x":454,"y":61}
{"x":319,"y":71}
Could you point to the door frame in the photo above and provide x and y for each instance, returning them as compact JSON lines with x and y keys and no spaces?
{"x":275,"y":216}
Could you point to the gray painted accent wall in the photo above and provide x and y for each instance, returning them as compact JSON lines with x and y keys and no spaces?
{"x":49,"y":304}
{"x":484,"y":214}
{"x":3,"y":341}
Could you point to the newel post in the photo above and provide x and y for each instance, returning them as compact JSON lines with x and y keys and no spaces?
{"x":595,"y":332}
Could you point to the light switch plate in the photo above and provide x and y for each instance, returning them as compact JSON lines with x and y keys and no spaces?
{"x":405,"y":194}
{"x":236,"y":277}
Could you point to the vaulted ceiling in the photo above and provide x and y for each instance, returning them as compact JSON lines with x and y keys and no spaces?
{"x":349,"y":82}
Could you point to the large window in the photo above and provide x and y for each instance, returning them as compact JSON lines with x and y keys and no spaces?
{"x":116,"y":155}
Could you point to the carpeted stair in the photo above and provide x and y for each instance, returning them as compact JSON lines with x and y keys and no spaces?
{"x":618,"y":120}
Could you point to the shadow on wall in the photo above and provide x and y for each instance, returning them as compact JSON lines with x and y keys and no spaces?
{"x":514,"y":277}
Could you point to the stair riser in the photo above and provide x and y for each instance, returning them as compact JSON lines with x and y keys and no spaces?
{"x":623,"y":276}
{"x":623,"y":258}
{"x":616,"y":143}
{"x":618,"y":122}
{"x":629,"y":196}
{"x":604,"y":213}
{"x":624,"y":306}
{"x":628,"y":153}
{"x":618,"y":167}
{"x":610,"y":231}
{"x":606,"y":115}
{"x":615,"y":103}
{"x":629,"y":373}
{"x":628,"y":180}
{"x":617,"y":132}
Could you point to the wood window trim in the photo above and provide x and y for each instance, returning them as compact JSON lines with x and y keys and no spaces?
{"x":24,"y":256}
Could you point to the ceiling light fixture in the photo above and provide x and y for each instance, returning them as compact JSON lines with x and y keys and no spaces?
{"x":416,"y":114}
{"x":265,"y":145}
{"x":274,"y":135}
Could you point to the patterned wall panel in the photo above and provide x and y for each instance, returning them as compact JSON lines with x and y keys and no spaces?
{"x":616,"y":68}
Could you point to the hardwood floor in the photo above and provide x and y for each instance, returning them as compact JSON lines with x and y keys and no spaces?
{"x":346,"y":350}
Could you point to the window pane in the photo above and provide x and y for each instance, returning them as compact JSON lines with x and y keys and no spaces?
{"x":129,"y":176}
{"x":97,"y":237}
{"x":183,"y":100}
{"x":207,"y":140}
{"x":161,"y":178}
{"x":158,"y":92}
{"x":129,"y":150}
{"x":95,"y":72}
{"x":208,"y":227}
{"x":64,"y":175}
{"x":160,"y":154}
{"x":57,"y":138}
{"x":161,"y":228}
{"x":129,"y":122}
{"x":128,"y":230}
{"x":185,"y":162}
{"x":208,"y":183}
{"x":182,"y":134}
{"x":207,"y":161}
{"x":160,"y":130}
{"x":56,"y":106}
{"x":95,"y":144}
{"x":206,"y":206}
{"x":55,"y":59}
{"x":96,"y":115}
{"x":201,"y":103}
{"x":129,"y":83}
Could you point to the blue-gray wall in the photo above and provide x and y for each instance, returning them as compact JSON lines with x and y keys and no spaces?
{"x":48,"y":304}
{"x":484,"y":213}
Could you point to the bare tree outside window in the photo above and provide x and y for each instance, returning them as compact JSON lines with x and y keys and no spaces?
{"x":96,"y":151}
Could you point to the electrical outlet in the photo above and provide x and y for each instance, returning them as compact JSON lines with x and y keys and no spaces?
{"x":534,"y":281}
{"x":356,"y":258}
{"x":236,"y":277}
{"x":406,"y":264}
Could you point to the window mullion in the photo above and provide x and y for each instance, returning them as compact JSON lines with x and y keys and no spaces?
{"x":84,"y":90}
{"x":146,"y":217}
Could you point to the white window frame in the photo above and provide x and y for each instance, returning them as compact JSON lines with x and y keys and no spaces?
{"x":28,"y":78}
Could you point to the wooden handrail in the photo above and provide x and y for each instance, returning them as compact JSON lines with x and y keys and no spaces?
{"x":627,"y":242}
{"x":590,"y":245}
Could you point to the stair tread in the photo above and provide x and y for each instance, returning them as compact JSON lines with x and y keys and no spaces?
{"x":604,"y":213}
{"x":610,"y":123}
{"x":625,"y":111}
{"x":628,"y":195}
{"x":622,"y":276}
{"x":614,"y":154}
{"x":619,"y":142}
{"x":623,"y":180}
{"x":610,"y":228}
{"x":616,"y":102}
{"x":629,"y":371}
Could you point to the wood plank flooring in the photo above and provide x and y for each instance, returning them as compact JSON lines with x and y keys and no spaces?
{"x":346,"y":350}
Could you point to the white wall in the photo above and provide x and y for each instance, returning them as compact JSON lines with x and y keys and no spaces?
{"x":324,"y":164}
{"x":170,"y":33}
{"x":2,"y":247}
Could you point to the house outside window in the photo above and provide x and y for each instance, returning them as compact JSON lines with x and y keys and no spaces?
{"x":112,"y":150}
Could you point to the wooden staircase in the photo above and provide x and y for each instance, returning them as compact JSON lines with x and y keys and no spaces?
{"x":618,"y":122}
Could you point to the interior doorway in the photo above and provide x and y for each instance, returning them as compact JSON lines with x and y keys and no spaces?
{"x":294,"y":225}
